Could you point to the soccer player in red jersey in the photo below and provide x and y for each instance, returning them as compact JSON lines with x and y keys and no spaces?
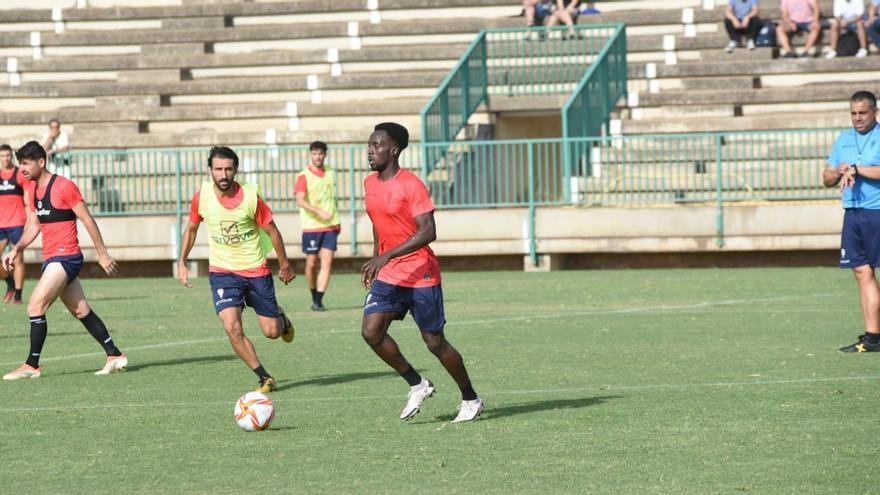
{"x":56,"y":205}
{"x":404,"y":275}
{"x":12,"y":219}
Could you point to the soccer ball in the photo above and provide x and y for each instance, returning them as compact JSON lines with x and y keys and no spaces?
{"x":254,"y":411}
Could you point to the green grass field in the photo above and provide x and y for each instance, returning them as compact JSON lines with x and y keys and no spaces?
{"x":666,"y":381}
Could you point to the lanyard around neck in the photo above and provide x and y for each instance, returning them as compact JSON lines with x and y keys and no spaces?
{"x":859,"y":150}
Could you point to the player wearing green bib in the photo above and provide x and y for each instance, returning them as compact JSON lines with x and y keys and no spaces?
{"x":315,"y":191}
{"x":240,"y":233}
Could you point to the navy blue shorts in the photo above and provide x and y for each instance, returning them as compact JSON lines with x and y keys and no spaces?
{"x":801,"y":27}
{"x":315,"y":241}
{"x":72,"y":265}
{"x":542,"y":11}
{"x":12,"y":234}
{"x":860,"y":238}
{"x":234,"y":291}
{"x":424,"y":303}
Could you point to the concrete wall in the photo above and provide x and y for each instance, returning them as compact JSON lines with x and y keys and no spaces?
{"x":515,"y":125}
{"x":488,"y":234}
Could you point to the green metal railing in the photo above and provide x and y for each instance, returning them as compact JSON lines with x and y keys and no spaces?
{"x":623,"y":171}
{"x":647,"y":170}
{"x":525,"y":62}
{"x":588,"y":111}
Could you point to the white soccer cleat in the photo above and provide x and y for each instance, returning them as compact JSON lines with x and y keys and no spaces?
{"x":469,"y":410}
{"x":114,"y":363}
{"x":23,"y":371}
{"x":416,"y":396}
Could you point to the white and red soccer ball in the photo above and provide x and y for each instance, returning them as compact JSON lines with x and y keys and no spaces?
{"x":254,"y":411}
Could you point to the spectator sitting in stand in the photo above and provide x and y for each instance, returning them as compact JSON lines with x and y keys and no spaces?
{"x":872,"y":25}
{"x":799,"y":16}
{"x":848,"y":16}
{"x":566,"y":12}
{"x":740,"y":19}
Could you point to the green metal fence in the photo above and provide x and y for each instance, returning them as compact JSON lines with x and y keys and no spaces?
{"x":614,"y":171}
{"x":675,"y":169}
{"x":525,"y":62}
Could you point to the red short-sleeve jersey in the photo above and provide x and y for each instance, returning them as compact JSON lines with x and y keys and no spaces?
{"x":12,"y":184}
{"x":54,"y":205}
{"x":393,"y":206}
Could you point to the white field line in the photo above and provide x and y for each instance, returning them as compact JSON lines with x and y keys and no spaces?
{"x":537,"y":392}
{"x":544,"y":316}
{"x":127,"y":349}
{"x":707,"y":304}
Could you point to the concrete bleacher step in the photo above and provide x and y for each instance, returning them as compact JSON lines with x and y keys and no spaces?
{"x":339,"y":95}
{"x":311,"y":31}
{"x":224,"y":9}
{"x":123,"y":9}
{"x":816,"y":120}
{"x":201,"y":60}
{"x":152,"y":112}
{"x":821,"y":92}
{"x":210,"y":138}
{"x":732,"y":65}
{"x":396,"y":79}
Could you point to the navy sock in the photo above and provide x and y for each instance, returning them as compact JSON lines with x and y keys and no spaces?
{"x":468,"y":393}
{"x":314,"y":295}
{"x":18,"y":294}
{"x":39,"y":329}
{"x":319,"y":297}
{"x":412,"y":377}
{"x":873,"y":338}
{"x":10,"y":283}
{"x":261,"y":372}
{"x":96,"y":327}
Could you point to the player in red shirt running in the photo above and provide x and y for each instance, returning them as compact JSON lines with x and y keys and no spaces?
{"x":404,"y":275}
{"x":56,"y":205}
{"x":12,"y":219}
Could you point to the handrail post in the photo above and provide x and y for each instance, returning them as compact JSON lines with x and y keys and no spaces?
{"x":484,"y":64}
{"x":567,"y":166}
{"x":719,"y":192}
{"x":533,"y":242}
{"x":352,"y":203}
{"x":178,"y":232}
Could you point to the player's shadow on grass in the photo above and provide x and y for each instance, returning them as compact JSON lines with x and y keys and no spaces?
{"x":536,"y":406}
{"x":335,"y":379}
{"x":110,"y":298}
{"x":281,"y":428}
{"x":181,"y":362}
{"x":24,"y":337}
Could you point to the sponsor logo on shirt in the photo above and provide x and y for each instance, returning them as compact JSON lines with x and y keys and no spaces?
{"x":43,"y":212}
{"x":230,"y":233}
{"x":6,"y":186}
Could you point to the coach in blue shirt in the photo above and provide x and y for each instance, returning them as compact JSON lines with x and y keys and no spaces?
{"x":854,"y":165}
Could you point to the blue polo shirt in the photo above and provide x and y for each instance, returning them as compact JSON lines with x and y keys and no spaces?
{"x":866,"y":192}
{"x":741,"y":8}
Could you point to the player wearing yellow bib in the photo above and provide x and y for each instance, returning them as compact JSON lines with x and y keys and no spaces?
{"x":315,"y":191}
{"x":237,"y":219}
